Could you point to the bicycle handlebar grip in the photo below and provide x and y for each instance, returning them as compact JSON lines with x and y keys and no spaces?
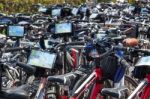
{"x":30,"y":70}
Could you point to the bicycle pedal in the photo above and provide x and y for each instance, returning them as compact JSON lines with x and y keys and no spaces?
{"x":114,"y":92}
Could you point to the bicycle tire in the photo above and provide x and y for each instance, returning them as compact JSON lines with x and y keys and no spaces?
{"x":128,"y":79}
{"x":132,"y":82}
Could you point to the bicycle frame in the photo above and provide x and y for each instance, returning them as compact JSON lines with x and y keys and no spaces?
{"x":75,"y":56}
{"x":143,"y":88}
{"x":95,"y":78}
{"x":41,"y":92}
{"x":146,"y":91}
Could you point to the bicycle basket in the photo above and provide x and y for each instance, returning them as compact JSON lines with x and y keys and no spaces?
{"x":142,"y":67}
{"x":109,"y":66}
{"x":139,"y":72}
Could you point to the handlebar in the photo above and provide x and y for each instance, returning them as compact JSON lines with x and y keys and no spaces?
{"x":70,"y":43}
{"x":17,"y":49}
{"x":13,"y":49}
{"x":106,"y":53}
{"x":146,"y":51}
{"x":80,"y":30}
{"x":86,"y":21}
{"x":122,"y":61}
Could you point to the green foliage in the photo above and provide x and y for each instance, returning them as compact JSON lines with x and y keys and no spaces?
{"x":104,"y":0}
{"x":1,"y":6}
{"x":13,"y":6}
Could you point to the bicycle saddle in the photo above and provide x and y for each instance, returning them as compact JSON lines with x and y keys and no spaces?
{"x":17,"y":93}
{"x":65,"y":79}
{"x":114,"y":92}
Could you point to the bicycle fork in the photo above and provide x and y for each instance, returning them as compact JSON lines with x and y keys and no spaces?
{"x":40,"y":93}
{"x":144,"y":86}
{"x":140,"y":87}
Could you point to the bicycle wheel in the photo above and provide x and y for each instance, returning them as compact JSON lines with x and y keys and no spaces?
{"x":131,"y":84}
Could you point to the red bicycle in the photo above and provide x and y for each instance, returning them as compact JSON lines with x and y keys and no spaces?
{"x":143,"y":72}
{"x":88,"y":81}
